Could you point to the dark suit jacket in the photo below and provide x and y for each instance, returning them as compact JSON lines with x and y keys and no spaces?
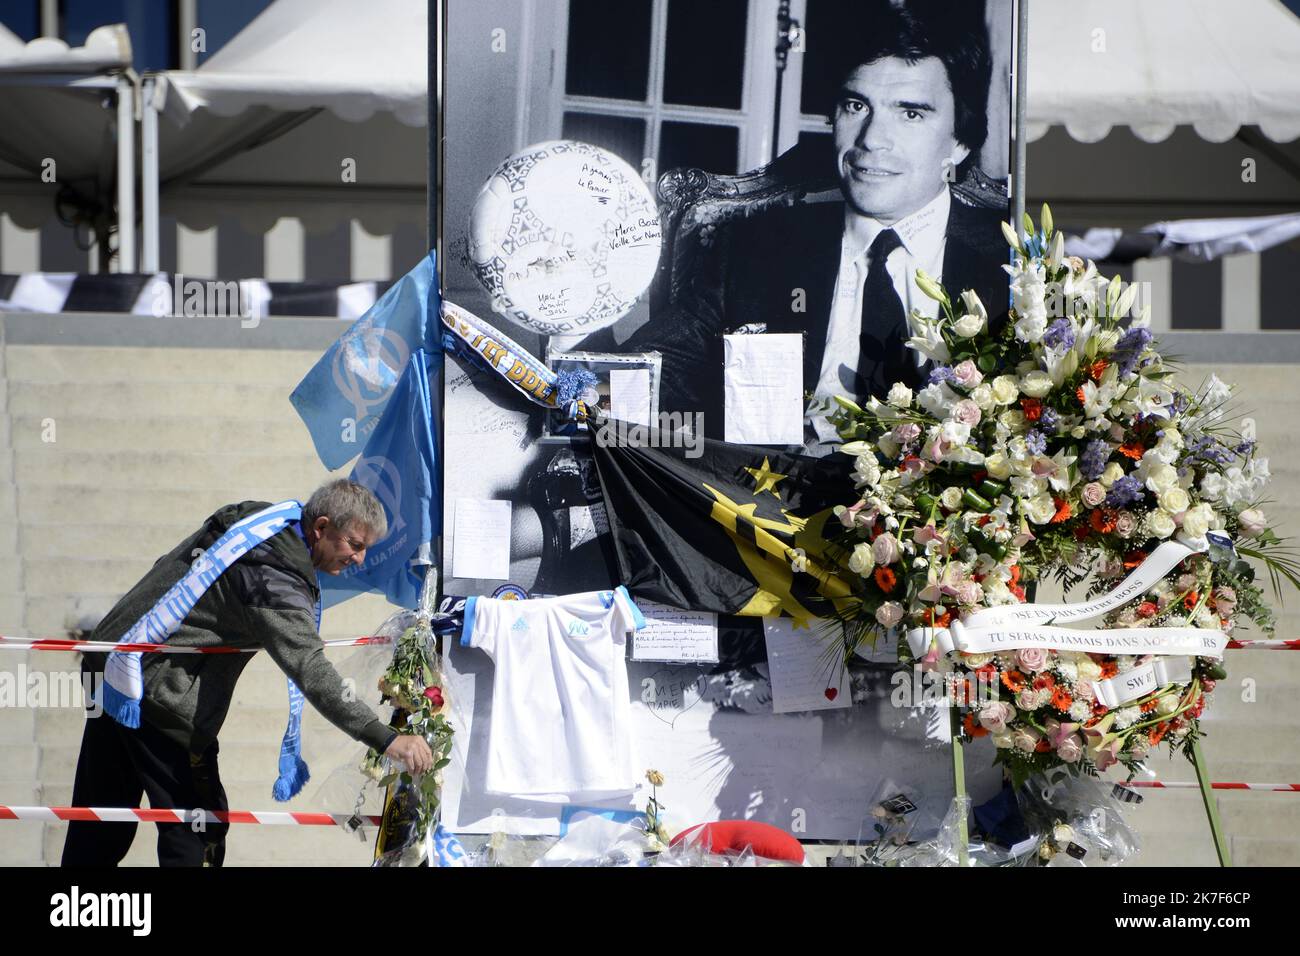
{"x":752,"y":274}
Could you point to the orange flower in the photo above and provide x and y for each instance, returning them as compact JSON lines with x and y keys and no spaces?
{"x":1133,"y":559}
{"x":886,"y":580}
{"x":1158,"y":733}
{"x":1096,"y":370}
{"x":1015,"y":574}
{"x":1033,"y":409}
{"x":1190,"y":599}
{"x":1042,"y":746}
{"x":1044,"y":681}
{"x":1078,"y":393}
{"x":1132,"y":449}
{"x":973,"y":729}
{"x":1109,"y":669}
{"x":1013,"y":681}
{"x":1062,"y":511}
{"x":1102,"y":520}
{"x":1061,"y":699}
{"x":1148,"y":706}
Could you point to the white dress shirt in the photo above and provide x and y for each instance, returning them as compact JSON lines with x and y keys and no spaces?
{"x":923,"y":235}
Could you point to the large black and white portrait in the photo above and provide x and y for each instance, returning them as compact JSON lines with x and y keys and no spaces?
{"x":807,"y":158}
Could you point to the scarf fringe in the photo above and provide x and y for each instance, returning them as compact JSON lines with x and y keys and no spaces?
{"x":125,"y":710}
{"x":289,"y":785}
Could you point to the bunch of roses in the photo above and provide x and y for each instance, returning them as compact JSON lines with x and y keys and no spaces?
{"x":1056,"y":441}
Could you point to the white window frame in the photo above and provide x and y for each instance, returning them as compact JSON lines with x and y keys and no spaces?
{"x":758,"y":85}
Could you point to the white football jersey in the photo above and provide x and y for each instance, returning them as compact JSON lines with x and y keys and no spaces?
{"x":561,"y":707}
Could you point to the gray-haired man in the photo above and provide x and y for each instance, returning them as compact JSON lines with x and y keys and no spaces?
{"x":266,"y":599}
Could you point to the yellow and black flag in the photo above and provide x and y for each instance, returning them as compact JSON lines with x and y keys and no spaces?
{"x":713,"y":526}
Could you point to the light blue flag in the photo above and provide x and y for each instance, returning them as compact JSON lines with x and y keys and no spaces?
{"x":343,"y":397}
{"x":398,"y":465}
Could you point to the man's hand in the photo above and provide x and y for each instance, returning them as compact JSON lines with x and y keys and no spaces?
{"x":412,"y":752}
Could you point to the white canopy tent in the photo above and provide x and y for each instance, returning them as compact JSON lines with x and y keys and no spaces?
{"x":55,"y":131}
{"x":1154,"y":65}
{"x":264,"y":127}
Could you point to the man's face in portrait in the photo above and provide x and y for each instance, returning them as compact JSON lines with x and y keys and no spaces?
{"x":893,"y":127}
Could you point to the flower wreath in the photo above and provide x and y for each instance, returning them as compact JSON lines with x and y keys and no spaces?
{"x":1057,"y":442}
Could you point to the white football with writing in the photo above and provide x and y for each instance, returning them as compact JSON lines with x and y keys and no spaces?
{"x":565,"y":237}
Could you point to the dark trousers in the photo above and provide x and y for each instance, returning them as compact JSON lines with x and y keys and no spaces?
{"x":117,"y":767}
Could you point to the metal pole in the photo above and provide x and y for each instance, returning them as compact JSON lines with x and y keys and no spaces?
{"x":149,"y":175}
{"x":1022,"y":105}
{"x":125,"y":174}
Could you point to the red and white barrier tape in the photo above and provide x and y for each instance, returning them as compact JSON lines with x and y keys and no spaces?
{"x":141,"y":815}
{"x":1193,"y":785}
{"x":1293,"y":645}
{"x":58,"y":644}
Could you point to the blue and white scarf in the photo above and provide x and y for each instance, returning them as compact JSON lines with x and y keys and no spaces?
{"x":123,"y":686}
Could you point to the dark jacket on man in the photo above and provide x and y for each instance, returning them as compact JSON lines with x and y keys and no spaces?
{"x":266,"y":599}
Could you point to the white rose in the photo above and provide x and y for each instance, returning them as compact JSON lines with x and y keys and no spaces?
{"x":1160,"y":524}
{"x":1014,"y":419}
{"x":1005,"y":390}
{"x":861,"y":560}
{"x":889,"y":613}
{"x":1040,"y":509}
{"x":998,"y":466}
{"x":1113,"y":473}
{"x":1089,"y":669}
{"x":951,"y":497}
{"x":1252,"y":522}
{"x":900,"y":396}
{"x":1036,"y":384}
{"x":968,"y":326}
{"x":982,"y":395}
{"x":1174,"y":500}
{"x":1161,"y":477}
{"x":1196,"y":522}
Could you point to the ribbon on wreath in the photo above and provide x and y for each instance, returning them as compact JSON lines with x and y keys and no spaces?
{"x":1013,"y":626}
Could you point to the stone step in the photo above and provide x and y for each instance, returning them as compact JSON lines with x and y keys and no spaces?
{"x":17,"y":724}
{"x":285,"y":435}
{"x":144,"y":470}
{"x":23,"y":843}
{"x":86,"y":365}
{"x":12,"y":614}
{"x":68,"y":503}
{"x":143,"y":400}
{"x":19,"y":762}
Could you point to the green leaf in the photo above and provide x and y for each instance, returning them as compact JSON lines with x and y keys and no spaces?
{"x":442,"y":763}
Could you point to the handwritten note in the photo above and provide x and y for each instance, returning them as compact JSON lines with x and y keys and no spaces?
{"x":672,"y":634}
{"x":803,"y":676}
{"x":629,"y":395}
{"x":481,"y":545}
{"x":763,"y":389}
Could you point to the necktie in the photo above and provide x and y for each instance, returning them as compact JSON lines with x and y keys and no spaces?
{"x":883,"y":357}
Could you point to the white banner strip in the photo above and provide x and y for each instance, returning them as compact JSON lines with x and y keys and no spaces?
{"x":1159,"y":563}
{"x":1141,"y":681}
{"x":1191,"y":641}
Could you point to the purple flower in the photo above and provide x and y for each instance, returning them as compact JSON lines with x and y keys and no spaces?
{"x":1060,"y":334}
{"x":1125,"y":491}
{"x":1129,"y":347}
{"x":1048,"y":421}
{"x":1093,"y":460}
{"x":942,"y":373}
{"x":1036,"y":442}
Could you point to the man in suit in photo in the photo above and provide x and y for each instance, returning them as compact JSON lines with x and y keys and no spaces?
{"x":908,"y":119}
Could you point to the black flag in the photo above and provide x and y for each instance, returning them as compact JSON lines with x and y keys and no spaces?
{"x":713,"y":526}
